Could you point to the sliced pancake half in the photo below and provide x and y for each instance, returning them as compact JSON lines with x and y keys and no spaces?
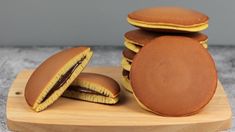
{"x":95,"y":88}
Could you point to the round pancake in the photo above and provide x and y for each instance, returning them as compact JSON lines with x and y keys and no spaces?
{"x":169,"y":19}
{"x":173,"y":76}
{"x":136,"y":48}
{"x":141,"y":37}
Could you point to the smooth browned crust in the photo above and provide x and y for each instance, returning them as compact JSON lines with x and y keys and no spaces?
{"x":101,"y":80}
{"x":169,"y":15}
{"x":46,"y":71}
{"x":173,"y":76}
{"x":128,"y":53}
{"x":142,"y":37}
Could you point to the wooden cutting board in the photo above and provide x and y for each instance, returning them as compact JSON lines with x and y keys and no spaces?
{"x":73,"y":115}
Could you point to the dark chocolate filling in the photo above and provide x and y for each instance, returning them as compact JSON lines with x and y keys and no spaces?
{"x":138,"y":46}
{"x":83,"y":90}
{"x":62,"y":80}
{"x":126,"y":73}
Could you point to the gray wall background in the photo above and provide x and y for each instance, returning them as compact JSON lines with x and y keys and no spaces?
{"x":97,"y":22}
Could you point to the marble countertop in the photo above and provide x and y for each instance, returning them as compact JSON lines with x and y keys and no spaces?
{"x":14,"y":59}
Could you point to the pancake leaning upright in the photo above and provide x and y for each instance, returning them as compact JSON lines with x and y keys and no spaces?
{"x":54,"y":75}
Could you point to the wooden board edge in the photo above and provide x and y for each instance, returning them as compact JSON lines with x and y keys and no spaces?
{"x":202,"y":127}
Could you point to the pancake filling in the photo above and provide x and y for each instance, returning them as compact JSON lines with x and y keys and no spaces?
{"x":138,"y":46}
{"x":126,"y":73}
{"x":84,"y":90}
{"x":63,"y":79}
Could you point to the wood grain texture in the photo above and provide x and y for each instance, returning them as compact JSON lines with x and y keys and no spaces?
{"x":72,"y":115}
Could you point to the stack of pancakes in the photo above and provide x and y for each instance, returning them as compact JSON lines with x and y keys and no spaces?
{"x":156,"y":22}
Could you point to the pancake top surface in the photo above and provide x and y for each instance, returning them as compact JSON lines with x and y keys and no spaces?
{"x":101,"y":80}
{"x":173,"y":76}
{"x":169,"y":16}
{"x":142,"y":37}
{"x":47,"y":70}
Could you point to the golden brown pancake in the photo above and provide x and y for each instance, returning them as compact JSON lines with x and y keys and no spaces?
{"x":136,"y":39}
{"x":141,"y":37}
{"x":169,"y":19}
{"x":95,"y":88}
{"x":54,"y":75}
{"x":173,"y":76}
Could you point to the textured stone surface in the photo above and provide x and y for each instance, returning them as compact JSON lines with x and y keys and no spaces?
{"x":14,"y":59}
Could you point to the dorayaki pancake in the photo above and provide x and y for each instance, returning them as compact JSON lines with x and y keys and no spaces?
{"x":169,"y":19}
{"x":54,"y":75}
{"x":136,"y":48}
{"x":141,"y":37}
{"x":173,"y":76}
{"x":136,"y":39}
{"x":95,"y":88}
